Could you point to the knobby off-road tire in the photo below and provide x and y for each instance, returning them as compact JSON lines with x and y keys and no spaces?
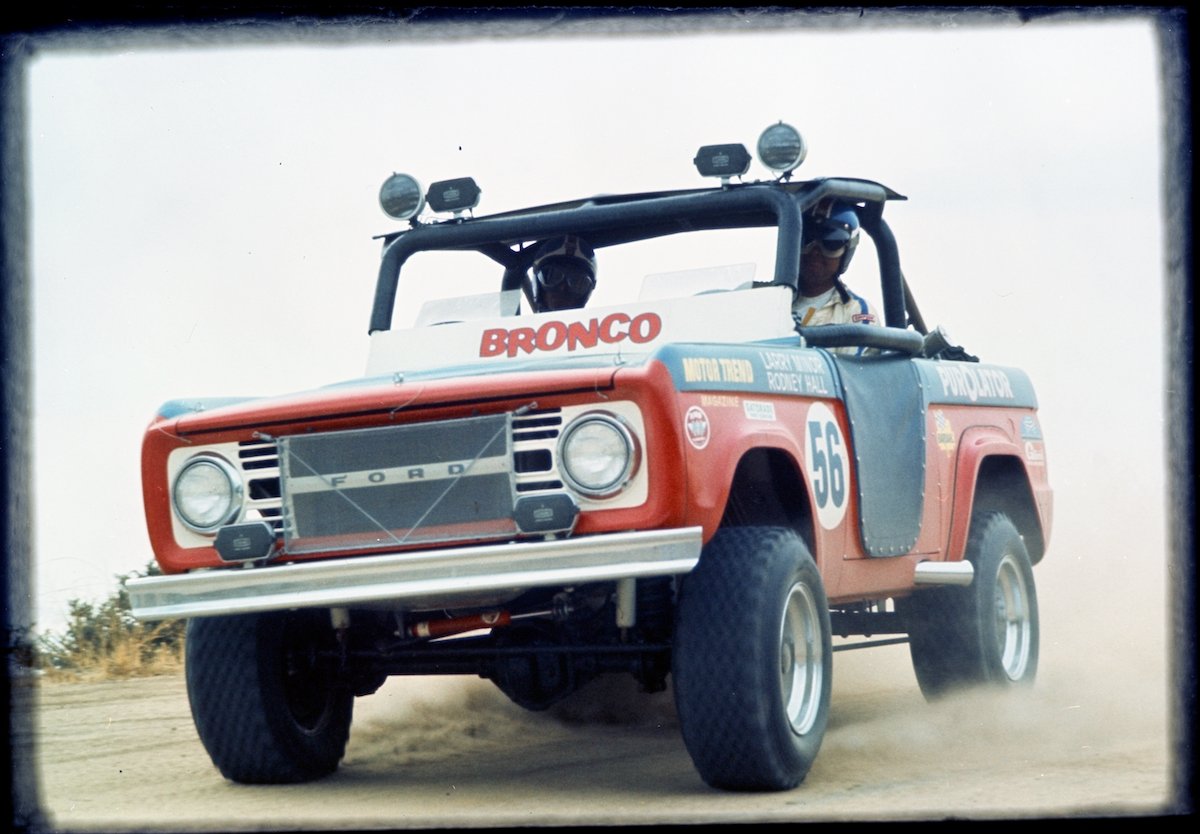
{"x":752,"y":661}
{"x":985,"y":633}
{"x":263,"y":708}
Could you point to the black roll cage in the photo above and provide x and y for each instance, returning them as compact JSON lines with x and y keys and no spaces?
{"x":612,"y":220}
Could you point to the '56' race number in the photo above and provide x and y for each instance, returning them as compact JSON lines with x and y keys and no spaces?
{"x":826,"y":463}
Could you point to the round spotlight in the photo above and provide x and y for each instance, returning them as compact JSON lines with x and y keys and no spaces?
{"x":401,"y":197}
{"x":781,"y":148}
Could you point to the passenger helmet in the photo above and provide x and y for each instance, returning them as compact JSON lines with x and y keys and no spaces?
{"x":834,"y":227}
{"x":565,"y":266}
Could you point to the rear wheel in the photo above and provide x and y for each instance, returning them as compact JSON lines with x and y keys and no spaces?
{"x":752,"y":663}
{"x":266,"y":709}
{"x":983,"y":634}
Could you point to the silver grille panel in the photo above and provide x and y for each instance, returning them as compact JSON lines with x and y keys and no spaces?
{"x":396,"y":485}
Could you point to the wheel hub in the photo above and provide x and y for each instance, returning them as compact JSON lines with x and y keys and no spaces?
{"x":800,"y":659}
{"x":1013,"y":619}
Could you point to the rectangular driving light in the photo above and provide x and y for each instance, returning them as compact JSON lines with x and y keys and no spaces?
{"x":722,"y":161}
{"x":456,"y":195}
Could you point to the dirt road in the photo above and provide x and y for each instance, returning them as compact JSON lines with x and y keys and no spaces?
{"x":1090,"y":739}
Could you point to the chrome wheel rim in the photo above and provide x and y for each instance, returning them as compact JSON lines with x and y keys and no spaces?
{"x":1014,"y":619}
{"x":801,"y":659}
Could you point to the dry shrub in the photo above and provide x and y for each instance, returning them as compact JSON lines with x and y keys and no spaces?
{"x":105,"y":641}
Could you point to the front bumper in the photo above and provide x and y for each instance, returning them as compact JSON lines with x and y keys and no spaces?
{"x":442,"y":578}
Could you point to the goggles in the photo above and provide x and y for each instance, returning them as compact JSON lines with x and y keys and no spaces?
{"x":830,"y":247}
{"x":566,"y":274}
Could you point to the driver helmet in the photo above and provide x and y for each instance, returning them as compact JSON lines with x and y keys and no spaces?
{"x":834,"y":228}
{"x":564,"y":273}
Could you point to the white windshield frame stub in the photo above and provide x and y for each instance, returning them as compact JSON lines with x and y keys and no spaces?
{"x":662,"y":285}
{"x":477,"y":307}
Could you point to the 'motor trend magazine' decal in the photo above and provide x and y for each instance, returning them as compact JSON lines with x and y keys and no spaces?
{"x":750,"y":369}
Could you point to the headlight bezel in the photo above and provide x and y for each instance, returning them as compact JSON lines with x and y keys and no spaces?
{"x":234,"y":500}
{"x":611,"y":486}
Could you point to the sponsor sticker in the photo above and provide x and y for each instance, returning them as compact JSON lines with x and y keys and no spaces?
{"x":696,"y":427}
{"x":758,"y":410}
{"x":1030,"y":428}
{"x":717,"y":369}
{"x":975,"y":383}
{"x":944,"y":431}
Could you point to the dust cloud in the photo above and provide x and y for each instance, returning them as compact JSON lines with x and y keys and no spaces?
{"x":1102,"y":692}
{"x":414,"y":720}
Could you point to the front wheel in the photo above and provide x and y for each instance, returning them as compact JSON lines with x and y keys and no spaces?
{"x":983,"y":634}
{"x":265,"y":706}
{"x":752,"y":663}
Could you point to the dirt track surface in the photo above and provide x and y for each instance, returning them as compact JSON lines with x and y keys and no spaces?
{"x":1090,"y":739}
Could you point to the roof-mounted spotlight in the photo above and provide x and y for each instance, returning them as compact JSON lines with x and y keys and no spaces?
{"x":457,"y":195}
{"x":722,"y":161}
{"x":400,"y":197}
{"x":781,"y":148}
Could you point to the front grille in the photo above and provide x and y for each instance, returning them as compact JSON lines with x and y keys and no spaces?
{"x":533,"y":452}
{"x":259,"y":461}
{"x":396,"y":485}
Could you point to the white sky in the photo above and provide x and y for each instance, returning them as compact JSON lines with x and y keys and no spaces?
{"x":201,"y":219}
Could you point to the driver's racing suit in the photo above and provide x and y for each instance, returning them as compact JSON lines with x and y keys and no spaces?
{"x":838,"y":306}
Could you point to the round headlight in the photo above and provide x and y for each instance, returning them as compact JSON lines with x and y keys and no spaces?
{"x":401,"y":197}
{"x":207,"y":493}
{"x":781,"y":147}
{"x":597,"y":455}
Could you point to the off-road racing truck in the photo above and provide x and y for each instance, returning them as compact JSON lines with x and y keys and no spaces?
{"x":685,"y":486}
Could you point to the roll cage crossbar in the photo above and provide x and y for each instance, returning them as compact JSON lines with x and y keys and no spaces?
{"x":608,"y":221}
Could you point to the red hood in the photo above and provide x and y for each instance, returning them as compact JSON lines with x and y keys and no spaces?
{"x":375,"y":396}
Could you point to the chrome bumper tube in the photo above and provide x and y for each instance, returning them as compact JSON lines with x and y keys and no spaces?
{"x":944,"y":573}
{"x":419,"y":578}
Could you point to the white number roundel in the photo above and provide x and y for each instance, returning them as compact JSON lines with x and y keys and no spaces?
{"x":826,"y":464}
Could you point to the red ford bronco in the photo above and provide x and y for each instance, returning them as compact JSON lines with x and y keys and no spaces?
{"x":684,"y":484}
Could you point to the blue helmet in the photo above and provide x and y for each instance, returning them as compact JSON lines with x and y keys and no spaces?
{"x":834,"y":227}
